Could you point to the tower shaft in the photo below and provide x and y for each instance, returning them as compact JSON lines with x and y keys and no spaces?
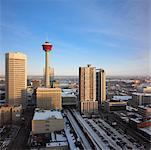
{"x":47,"y":79}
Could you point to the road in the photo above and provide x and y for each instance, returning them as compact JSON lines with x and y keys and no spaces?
{"x":20,"y":142}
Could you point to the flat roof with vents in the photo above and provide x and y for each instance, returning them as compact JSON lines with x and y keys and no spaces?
{"x":47,"y":114}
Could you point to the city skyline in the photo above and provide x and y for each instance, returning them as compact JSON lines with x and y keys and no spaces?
{"x":113,"y":35}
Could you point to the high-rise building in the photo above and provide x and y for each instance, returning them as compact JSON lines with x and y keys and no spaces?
{"x":87,"y":89}
{"x":100,"y":86}
{"x":87,"y":83}
{"x":16,"y":78}
{"x":92,"y":88}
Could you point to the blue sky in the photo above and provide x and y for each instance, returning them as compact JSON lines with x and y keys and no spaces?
{"x":111,"y":34}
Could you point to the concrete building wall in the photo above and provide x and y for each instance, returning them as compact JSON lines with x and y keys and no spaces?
{"x":114,"y":106}
{"x":89,"y":107}
{"x":147,"y":89}
{"x":16,"y":113}
{"x":144,"y":111}
{"x":35,"y":83}
{"x":49,"y":98}
{"x":139,"y":99}
{"x":67,"y":101}
{"x":100,"y":87}
{"x":5,"y":115}
{"x":9,"y":114}
{"x":47,"y":126}
{"x":16,"y":78}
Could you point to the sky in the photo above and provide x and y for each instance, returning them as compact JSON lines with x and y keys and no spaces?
{"x":111,"y":34}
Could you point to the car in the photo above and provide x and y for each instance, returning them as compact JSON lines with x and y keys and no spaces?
{"x":111,"y":148}
{"x":113,"y":138}
{"x":108,"y":134}
{"x":128,"y":147}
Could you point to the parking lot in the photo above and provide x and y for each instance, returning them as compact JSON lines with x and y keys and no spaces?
{"x":109,"y":135}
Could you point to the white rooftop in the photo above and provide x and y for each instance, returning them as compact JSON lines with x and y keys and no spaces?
{"x":47,"y":114}
{"x":147,"y":130}
{"x":57,"y":144}
{"x":69,"y":90}
{"x":122,"y":97}
{"x":142,"y":94}
{"x":68,"y":95}
{"x":45,"y":88}
{"x":145,"y":107}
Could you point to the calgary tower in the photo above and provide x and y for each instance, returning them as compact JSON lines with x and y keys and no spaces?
{"x":47,"y":47}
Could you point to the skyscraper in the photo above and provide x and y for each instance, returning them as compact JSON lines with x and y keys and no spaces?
{"x":100,"y":86}
{"x":16,"y":78}
{"x":87,"y":89}
{"x":87,"y":83}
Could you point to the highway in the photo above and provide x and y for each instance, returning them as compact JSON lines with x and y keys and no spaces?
{"x":22,"y":137}
{"x":85,"y":143}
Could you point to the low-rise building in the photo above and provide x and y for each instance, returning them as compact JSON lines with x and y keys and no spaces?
{"x":147,"y":89}
{"x":16,"y":113}
{"x":115,"y":105}
{"x":145,"y":111}
{"x":58,"y":142}
{"x":139,"y":99}
{"x":46,"y":121}
{"x":122,"y":98}
{"x":69,"y":99}
{"x":139,"y":123}
{"x":5,"y":115}
{"x":48,"y":130}
{"x":35,"y":83}
{"x":10,"y":114}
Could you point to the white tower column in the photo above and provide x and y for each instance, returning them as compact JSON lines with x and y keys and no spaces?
{"x":47,"y":79}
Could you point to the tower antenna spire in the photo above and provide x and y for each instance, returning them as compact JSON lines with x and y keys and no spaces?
{"x":47,"y":38}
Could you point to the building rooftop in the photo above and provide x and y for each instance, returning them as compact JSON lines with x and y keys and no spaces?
{"x":137,"y":120}
{"x":68,"y":95}
{"x":69,"y":90}
{"x":47,"y":89}
{"x":57,"y":144}
{"x":116,"y":102}
{"x":47,"y":114}
{"x":123,"y":98}
{"x":145,"y":107}
{"x":142,"y":94}
{"x":147,"y":130}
